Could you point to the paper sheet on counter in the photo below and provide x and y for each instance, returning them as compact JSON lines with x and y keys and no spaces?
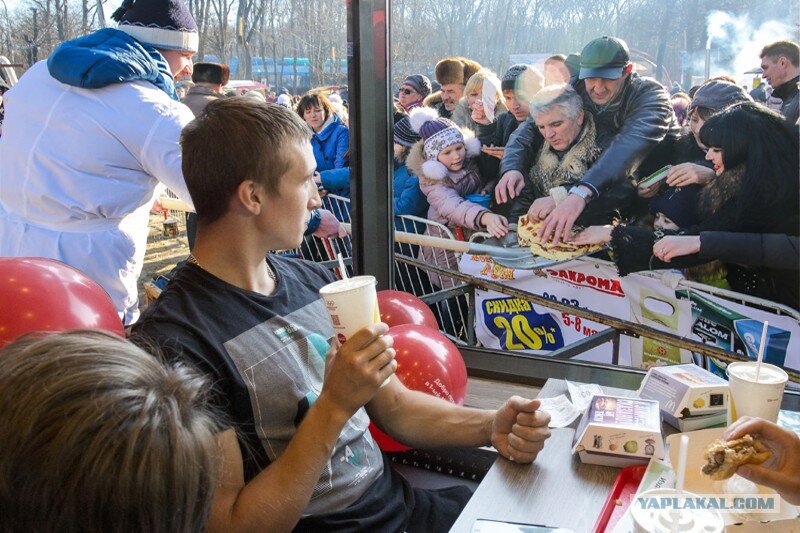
{"x":562,"y":412}
{"x":581,"y":394}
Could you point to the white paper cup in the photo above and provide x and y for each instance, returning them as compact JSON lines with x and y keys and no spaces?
{"x":757,"y":399}
{"x":647,"y":519}
{"x":352,"y":304}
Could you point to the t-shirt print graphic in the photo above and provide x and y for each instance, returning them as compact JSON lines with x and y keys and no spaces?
{"x":282,"y":362}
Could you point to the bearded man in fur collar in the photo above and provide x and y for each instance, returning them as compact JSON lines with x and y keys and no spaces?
{"x":570,"y":148}
{"x":452,"y":73}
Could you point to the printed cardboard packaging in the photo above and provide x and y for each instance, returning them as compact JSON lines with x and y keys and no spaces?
{"x":690,"y":396}
{"x":616,"y":431}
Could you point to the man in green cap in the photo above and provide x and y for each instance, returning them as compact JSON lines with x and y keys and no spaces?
{"x":632,"y":115}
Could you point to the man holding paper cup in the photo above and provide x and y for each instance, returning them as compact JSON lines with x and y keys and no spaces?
{"x":297,"y":453}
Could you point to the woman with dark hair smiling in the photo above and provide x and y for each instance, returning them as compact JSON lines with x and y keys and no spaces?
{"x":755,"y":190}
{"x":330,"y":140}
{"x":755,"y":160}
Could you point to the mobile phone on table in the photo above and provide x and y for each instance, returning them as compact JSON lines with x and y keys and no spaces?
{"x":655,"y":177}
{"x":483,"y":525}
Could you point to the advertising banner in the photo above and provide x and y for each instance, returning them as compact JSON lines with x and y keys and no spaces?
{"x":507,"y":323}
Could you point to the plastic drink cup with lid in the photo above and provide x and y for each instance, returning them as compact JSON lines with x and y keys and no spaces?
{"x":662,"y":511}
{"x":749,"y":397}
{"x":352,"y":304}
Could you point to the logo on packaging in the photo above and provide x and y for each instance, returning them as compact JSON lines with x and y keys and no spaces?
{"x":579,"y":279}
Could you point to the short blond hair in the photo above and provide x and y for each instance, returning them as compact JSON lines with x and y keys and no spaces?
{"x":98,"y":435}
{"x":475,"y":83}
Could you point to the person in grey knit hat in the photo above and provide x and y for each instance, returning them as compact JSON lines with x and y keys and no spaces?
{"x":413,"y":91}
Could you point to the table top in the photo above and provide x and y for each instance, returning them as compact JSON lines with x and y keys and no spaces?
{"x":556,"y":490}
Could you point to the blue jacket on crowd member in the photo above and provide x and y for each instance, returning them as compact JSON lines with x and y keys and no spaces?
{"x":408,"y":198}
{"x":330,"y":146}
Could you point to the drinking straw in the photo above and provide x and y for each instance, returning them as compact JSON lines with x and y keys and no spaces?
{"x":761,"y":349}
{"x":682,"y":453}
{"x":342,"y":269}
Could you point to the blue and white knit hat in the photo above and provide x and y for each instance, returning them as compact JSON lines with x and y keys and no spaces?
{"x":437,"y":134}
{"x":163,"y":24}
{"x":403,"y":134}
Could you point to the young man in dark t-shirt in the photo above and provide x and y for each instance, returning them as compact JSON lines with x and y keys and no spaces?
{"x":298,"y":454}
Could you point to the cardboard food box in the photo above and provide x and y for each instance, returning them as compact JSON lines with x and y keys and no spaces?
{"x":690,"y":396}
{"x":618,"y":431}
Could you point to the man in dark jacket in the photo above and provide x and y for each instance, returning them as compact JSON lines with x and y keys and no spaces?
{"x":780,"y":62}
{"x":519,"y":84}
{"x":208,"y":78}
{"x":632,"y":114}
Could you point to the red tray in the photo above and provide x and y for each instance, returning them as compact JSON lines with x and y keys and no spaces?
{"x":624,"y":490}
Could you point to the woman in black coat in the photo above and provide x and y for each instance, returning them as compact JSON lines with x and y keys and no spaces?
{"x":756,"y":190}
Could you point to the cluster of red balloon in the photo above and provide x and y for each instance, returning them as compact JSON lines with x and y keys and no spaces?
{"x":39,"y":294}
{"x":427,"y":361}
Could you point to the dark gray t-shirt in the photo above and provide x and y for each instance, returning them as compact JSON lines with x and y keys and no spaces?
{"x":267,"y":357}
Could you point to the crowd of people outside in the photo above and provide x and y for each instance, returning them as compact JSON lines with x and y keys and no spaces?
{"x":568,"y":145}
{"x":259,"y":416}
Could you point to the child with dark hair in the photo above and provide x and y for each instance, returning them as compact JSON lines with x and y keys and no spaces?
{"x":675,"y":208}
{"x":408,"y":198}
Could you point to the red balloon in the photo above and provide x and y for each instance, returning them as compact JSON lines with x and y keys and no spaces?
{"x":429,"y":362}
{"x":38,"y":294}
{"x":399,"y":307}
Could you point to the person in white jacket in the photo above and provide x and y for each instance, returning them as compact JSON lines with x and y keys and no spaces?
{"x":88,"y":136}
